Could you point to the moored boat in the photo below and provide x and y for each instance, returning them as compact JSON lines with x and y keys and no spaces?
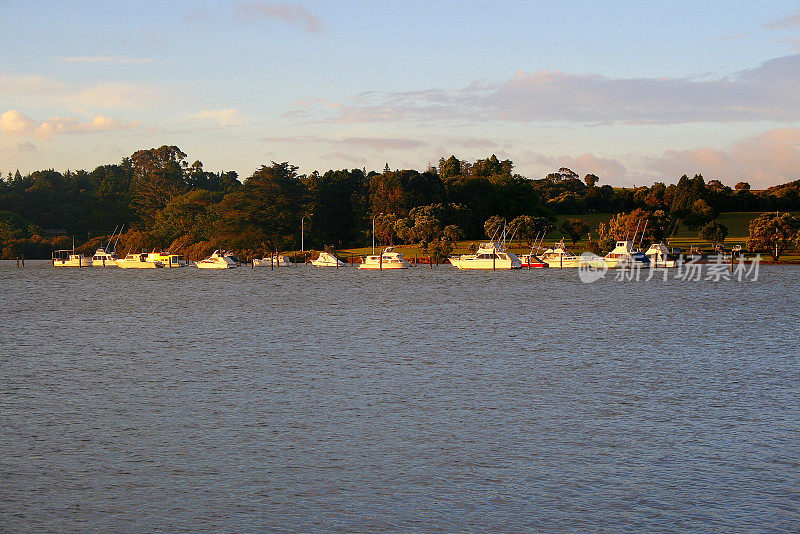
{"x":388,"y":259}
{"x":559,"y":257}
{"x":659,"y":256}
{"x":218,"y":260}
{"x":532,"y":261}
{"x":138,"y":261}
{"x":625,"y":255}
{"x":68,"y":258}
{"x":168,"y":260}
{"x":490,"y":256}
{"x":103,"y":258}
{"x":327,"y":259}
{"x":277,"y":260}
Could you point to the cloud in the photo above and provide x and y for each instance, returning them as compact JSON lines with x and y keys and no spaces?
{"x":225,"y":117}
{"x":607,"y":169}
{"x":770,"y":158}
{"x":108,"y":60}
{"x":377,"y":143}
{"x":113,"y":95}
{"x":15,"y":124}
{"x":785,"y":23}
{"x":294,"y":13}
{"x":767,"y":92}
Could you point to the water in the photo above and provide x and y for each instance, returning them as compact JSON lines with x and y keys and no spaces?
{"x":427,"y":400}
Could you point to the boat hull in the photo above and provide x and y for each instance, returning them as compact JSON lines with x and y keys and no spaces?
{"x":484,"y":265}
{"x":138,"y":265}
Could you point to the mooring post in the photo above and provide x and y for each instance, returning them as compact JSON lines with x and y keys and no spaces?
{"x":17,"y":262}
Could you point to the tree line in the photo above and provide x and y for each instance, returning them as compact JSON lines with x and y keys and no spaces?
{"x":165,"y":202}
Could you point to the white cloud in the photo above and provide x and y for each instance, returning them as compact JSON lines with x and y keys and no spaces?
{"x":15,"y":124}
{"x":764,"y":160}
{"x":785,"y":23}
{"x":225,"y":117}
{"x":293,"y":13}
{"x":108,"y":60}
{"x":607,"y":169}
{"x":767,"y":92}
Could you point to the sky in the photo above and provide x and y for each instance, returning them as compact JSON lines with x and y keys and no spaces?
{"x":632,"y":91}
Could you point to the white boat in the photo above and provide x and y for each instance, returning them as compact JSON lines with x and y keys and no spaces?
{"x":218,"y":260}
{"x":388,"y":259}
{"x":659,"y":256}
{"x":327,"y":260}
{"x":68,"y":258}
{"x":138,"y":261}
{"x":559,"y":257}
{"x":625,"y":255}
{"x":274,"y":261}
{"x":489,"y":257}
{"x":169,"y":261}
{"x":103,"y":258}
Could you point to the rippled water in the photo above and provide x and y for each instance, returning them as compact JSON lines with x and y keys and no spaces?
{"x":426,"y":400}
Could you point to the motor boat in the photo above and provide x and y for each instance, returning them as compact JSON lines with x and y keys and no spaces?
{"x":659,"y":256}
{"x":326,"y":259}
{"x":68,"y":258}
{"x":558,"y":256}
{"x":169,"y":260}
{"x":103,"y":258}
{"x":532,"y":261}
{"x":388,"y":259}
{"x":489,"y":256}
{"x":625,"y":255}
{"x":138,"y":261}
{"x":276,"y":260}
{"x":218,"y":260}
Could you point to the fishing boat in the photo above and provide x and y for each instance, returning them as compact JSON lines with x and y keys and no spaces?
{"x":68,"y":258}
{"x":276,"y":260}
{"x":659,"y":256}
{"x":169,"y":261}
{"x":138,"y":261}
{"x":490,"y":256}
{"x":103,"y":258}
{"x":388,"y":259}
{"x":218,"y":260}
{"x":559,"y":257}
{"x":326,"y":259}
{"x":625,"y":254}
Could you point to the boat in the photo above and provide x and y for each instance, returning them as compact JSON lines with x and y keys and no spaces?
{"x":218,"y":260}
{"x":168,"y":260}
{"x":276,"y":260}
{"x":532,"y":261}
{"x":326,"y":259}
{"x":388,"y":259}
{"x":558,"y":256}
{"x":659,"y":256}
{"x":104,"y":258}
{"x":625,"y":255}
{"x":489,"y":257}
{"x":138,"y":261}
{"x":68,"y":258}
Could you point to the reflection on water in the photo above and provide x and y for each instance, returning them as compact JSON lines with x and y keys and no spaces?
{"x":325,"y":400}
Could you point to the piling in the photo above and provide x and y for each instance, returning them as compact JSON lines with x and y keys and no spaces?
{"x":494,"y":261}
{"x":17,"y":263}
{"x":23,"y":260}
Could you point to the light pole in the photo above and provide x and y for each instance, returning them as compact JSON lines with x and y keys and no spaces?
{"x":373,"y":232}
{"x":303,"y":231}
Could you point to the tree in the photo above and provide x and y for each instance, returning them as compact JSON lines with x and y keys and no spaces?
{"x":591,"y":180}
{"x":524,"y":227}
{"x":493,"y":225}
{"x":385,"y":228}
{"x":158,"y":177}
{"x":574,"y":228}
{"x":714,"y":232}
{"x":773,"y":232}
{"x":449,"y":167}
{"x":700,"y":214}
{"x":742,"y":186}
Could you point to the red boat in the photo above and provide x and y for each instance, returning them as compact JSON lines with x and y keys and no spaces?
{"x":531,"y":261}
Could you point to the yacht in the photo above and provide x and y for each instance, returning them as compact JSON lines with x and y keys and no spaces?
{"x":277,"y":260}
{"x":103,"y":258}
{"x":218,"y":260}
{"x":489,"y":256}
{"x":326,"y":259}
{"x":138,"y":261}
{"x":168,"y":260}
{"x":558,"y":256}
{"x":532,"y":261}
{"x":659,"y":256}
{"x":625,"y":255}
{"x":388,"y":259}
{"x":68,"y":258}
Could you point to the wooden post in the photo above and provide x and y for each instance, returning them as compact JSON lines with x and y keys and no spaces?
{"x":494,"y":260}
{"x":295,"y":259}
{"x":17,"y":263}
{"x":380,"y":261}
{"x":23,"y":260}
{"x":271,"y":261}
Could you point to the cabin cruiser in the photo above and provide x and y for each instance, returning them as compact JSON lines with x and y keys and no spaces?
{"x":103,"y":258}
{"x":558,"y":256}
{"x":625,"y":255}
{"x":138,"y":261}
{"x":489,"y":256}
{"x":326,"y":259}
{"x":659,"y":256}
{"x":168,"y":260}
{"x":277,"y":260}
{"x":218,"y":260}
{"x":388,"y":259}
{"x":68,"y":258}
